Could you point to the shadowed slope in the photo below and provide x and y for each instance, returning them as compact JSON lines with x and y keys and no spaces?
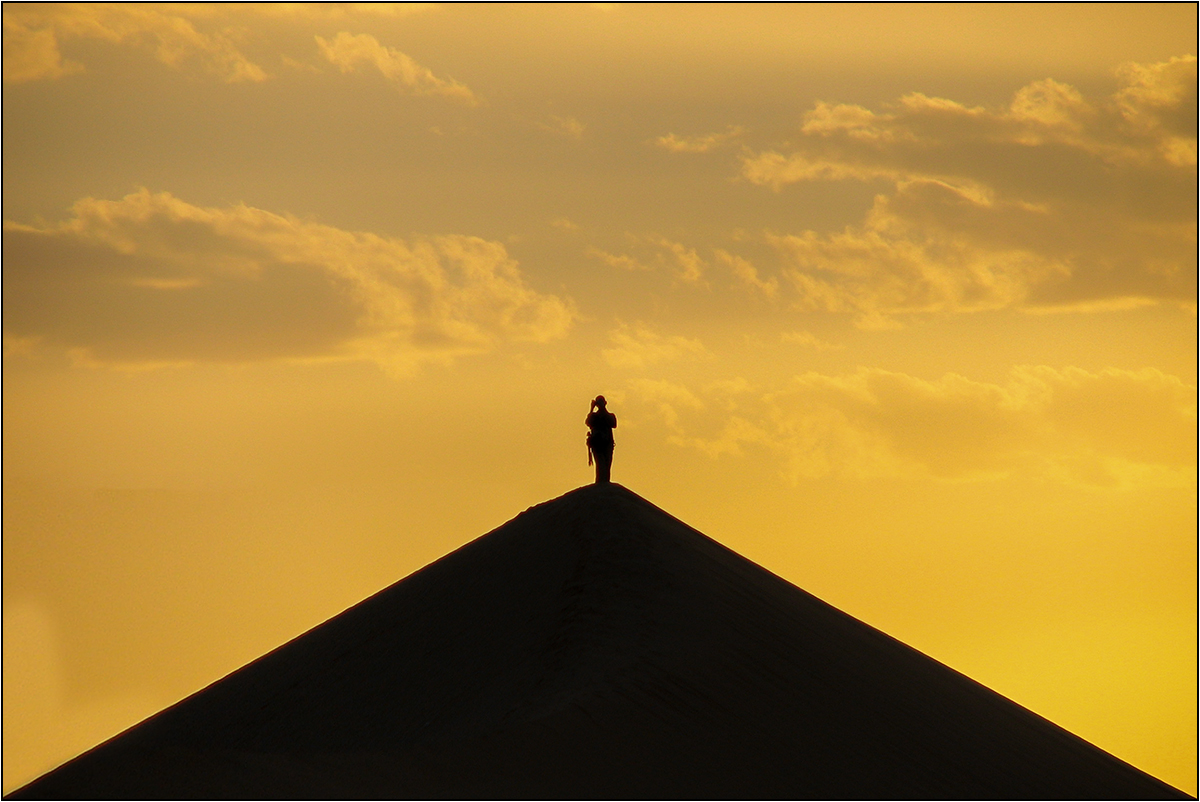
{"x":595,"y":646}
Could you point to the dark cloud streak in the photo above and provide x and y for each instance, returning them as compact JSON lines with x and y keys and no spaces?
{"x":134,"y":308}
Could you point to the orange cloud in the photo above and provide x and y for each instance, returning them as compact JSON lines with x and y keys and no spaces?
{"x":1159,"y":101}
{"x":698,"y":144}
{"x":1113,"y":427}
{"x":683,"y":263}
{"x":1052,"y":203}
{"x":564,"y":126}
{"x":665,"y":397}
{"x":623,"y":261}
{"x":639,"y":347}
{"x":747,"y":274}
{"x":33,"y":33}
{"x":348,"y":53}
{"x":687,"y":264}
{"x":809,"y":340}
{"x":892,"y":264}
{"x":208,"y":34}
{"x":32,"y":54}
{"x":151,"y":278}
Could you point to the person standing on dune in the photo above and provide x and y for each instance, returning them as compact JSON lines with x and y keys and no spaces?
{"x":600,"y":423}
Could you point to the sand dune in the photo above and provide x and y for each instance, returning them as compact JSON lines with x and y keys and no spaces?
{"x":594,"y":646}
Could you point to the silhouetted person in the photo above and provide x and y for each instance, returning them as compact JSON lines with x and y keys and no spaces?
{"x":600,"y":442}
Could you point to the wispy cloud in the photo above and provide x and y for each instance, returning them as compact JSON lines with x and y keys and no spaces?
{"x":1106,"y":428}
{"x":698,"y":144}
{"x":667,"y":398}
{"x":747,"y":274}
{"x":32,"y":54}
{"x":210,"y":35}
{"x":686,"y":262}
{"x":564,"y":126}
{"x":1052,"y":202}
{"x":618,"y":260}
{"x":1158,"y":101}
{"x":349,"y":53}
{"x":808,"y":340}
{"x":679,"y":260}
{"x":151,"y":279}
{"x":892,"y":264}
{"x":639,"y":347}
{"x":33,"y":34}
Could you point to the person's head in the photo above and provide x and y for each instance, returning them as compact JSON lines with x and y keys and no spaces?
{"x":600,"y":402}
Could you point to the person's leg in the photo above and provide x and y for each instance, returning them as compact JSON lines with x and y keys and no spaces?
{"x":603,"y":465}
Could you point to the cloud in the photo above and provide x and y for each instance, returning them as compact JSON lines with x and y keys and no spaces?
{"x":564,"y":126}
{"x":698,"y":144}
{"x":776,"y":170}
{"x":348,"y":53}
{"x":1159,"y":101}
{"x":666,"y":398}
{"x":1050,"y":105}
{"x":208,"y":34}
{"x":747,"y":274}
{"x":334,"y":12}
{"x":683,"y":263}
{"x":809,"y":340}
{"x":673,"y":402}
{"x":153,"y":279}
{"x":1053,"y":202}
{"x":32,"y":54}
{"x":639,"y":347}
{"x":688,"y":265}
{"x":622,"y":261}
{"x":1111,"y":427}
{"x":857,"y":122}
{"x":893,"y":265}
{"x":33,"y":34}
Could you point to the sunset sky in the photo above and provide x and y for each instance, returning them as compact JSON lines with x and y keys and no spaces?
{"x":898,"y":301}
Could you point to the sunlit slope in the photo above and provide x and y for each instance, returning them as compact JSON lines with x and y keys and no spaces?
{"x":595,"y":646}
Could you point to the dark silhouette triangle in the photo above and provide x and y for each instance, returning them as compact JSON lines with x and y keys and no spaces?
{"x":595,"y":646}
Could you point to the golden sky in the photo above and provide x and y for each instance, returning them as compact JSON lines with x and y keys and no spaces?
{"x":898,"y":301}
